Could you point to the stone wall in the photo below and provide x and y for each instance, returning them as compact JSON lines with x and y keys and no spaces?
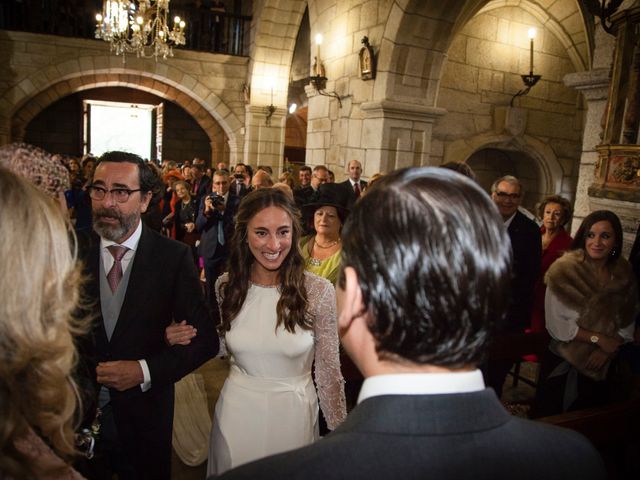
{"x":41,"y":69}
{"x":482,"y":74}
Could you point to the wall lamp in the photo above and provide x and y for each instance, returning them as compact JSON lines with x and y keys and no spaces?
{"x":318,"y":79}
{"x":270,"y":109}
{"x":529,"y":80}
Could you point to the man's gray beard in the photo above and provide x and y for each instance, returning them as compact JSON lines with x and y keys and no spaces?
{"x":111,"y":232}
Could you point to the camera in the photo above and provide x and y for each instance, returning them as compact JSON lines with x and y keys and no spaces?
{"x":239,"y":176}
{"x":218,"y":200}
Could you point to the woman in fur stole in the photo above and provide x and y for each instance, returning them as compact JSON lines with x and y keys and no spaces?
{"x":590,"y":303}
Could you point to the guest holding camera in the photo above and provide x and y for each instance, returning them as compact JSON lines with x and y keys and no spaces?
{"x":215,"y":224}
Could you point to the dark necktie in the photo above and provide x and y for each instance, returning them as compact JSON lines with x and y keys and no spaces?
{"x":115,"y":274}
{"x":221,"y":230}
{"x":356,"y":188}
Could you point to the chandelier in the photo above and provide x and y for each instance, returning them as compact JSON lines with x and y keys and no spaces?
{"x":139,"y":27}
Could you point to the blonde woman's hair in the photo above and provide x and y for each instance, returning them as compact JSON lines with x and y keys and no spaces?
{"x":39,"y":292}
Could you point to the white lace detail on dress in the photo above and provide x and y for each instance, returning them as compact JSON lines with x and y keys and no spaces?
{"x":224,"y":278}
{"x":329,"y":381}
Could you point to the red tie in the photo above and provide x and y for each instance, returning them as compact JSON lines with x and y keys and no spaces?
{"x":115,"y":274}
{"x":356,"y":188}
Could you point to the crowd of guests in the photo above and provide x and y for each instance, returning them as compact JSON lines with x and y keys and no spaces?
{"x":425,"y":267}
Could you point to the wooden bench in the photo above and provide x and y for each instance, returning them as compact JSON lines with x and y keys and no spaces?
{"x":603,"y":426}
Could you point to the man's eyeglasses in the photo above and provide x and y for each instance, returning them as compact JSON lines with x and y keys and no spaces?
{"x":121,"y":195}
{"x":512,"y":196}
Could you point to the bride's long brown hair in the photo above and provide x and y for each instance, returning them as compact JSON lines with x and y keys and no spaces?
{"x":293,"y":303}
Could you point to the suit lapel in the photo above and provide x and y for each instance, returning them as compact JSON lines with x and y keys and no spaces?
{"x":93,"y":288}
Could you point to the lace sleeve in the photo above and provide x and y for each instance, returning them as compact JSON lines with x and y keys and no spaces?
{"x":224,"y":278}
{"x":322,"y":298}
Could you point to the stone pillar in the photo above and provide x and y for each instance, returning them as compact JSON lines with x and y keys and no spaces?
{"x":322,"y":147}
{"x":594,"y":86}
{"x":219,"y":146}
{"x":605,"y":128}
{"x":397,"y":134}
{"x":264,"y":144}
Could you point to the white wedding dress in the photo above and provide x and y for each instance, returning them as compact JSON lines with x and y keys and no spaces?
{"x":268,"y":404}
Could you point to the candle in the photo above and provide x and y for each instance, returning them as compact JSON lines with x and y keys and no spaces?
{"x":318,"y":61}
{"x":271,"y":95}
{"x":532,"y":34}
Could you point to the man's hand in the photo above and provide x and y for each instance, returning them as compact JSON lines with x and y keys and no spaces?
{"x":121,"y":375}
{"x":208,"y":205}
{"x":179,"y":333}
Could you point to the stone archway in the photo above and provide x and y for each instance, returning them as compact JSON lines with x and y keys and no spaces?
{"x":204,"y":86}
{"x":42,"y":100}
{"x":491,"y":163}
{"x":526,"y":156}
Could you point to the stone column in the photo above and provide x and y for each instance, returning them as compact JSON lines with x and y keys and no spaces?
{"x":397,"y":134}
{"x":594,"y":86}
{"x":264,"y":144}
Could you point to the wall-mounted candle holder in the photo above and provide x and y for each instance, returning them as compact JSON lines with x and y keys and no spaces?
{"x":318,"y":78}
{"x":531,"y":79}
{"x":270,"y":109}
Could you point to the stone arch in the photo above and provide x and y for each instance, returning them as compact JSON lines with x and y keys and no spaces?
{"x":418,"y":34}
{"x":32,"y":106}
{"x":33,"y":94}
{"x":546,"y":161}
{"x":413,"y":50}
{"x":275,"y":37}
{"x":577,"y":42}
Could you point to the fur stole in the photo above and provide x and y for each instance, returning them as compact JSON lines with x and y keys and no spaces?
{"x":601,"y":308}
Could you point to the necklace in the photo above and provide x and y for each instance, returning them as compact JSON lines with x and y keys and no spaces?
{"x":315,"y":262}
{"x":328,"y":245}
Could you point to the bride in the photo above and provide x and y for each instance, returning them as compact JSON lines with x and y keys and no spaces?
{"x":277,"y":320}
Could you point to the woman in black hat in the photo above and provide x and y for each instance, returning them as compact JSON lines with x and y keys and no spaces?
{"x":321,"y":250}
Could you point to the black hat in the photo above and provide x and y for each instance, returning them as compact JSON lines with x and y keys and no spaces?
{"x":330,"y":195}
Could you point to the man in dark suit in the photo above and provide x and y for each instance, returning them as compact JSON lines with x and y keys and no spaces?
{"x":306,"y":193}
{"x":354,"y":184}
{"x":215,"y":222}
{"x":309,"y":194}
{"x":239,"y":185}
{"x":141,"y":282}
{"x":526,"y":246}
{"x":426,"y":266}
{"x":201,"y":182}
